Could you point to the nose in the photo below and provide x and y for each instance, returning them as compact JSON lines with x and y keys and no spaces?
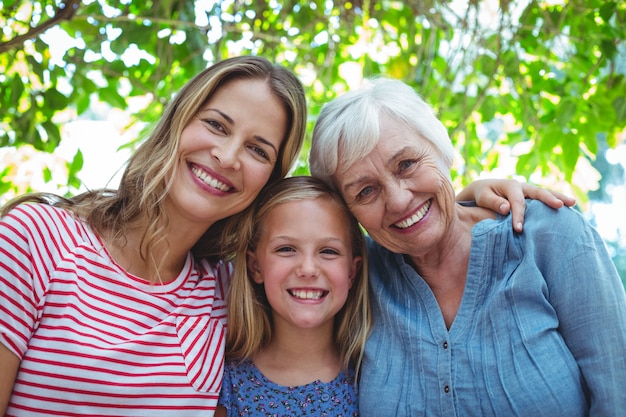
{"x":308,"y":267}
{"x":226,"y":153}
{"x":397,"y":197}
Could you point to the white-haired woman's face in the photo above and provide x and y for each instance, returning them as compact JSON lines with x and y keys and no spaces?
{"x":400,"y":192}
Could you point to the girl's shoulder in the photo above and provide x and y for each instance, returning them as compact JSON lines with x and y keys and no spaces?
{"x":253,"y":391}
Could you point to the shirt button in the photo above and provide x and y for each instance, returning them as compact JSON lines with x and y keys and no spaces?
{"x":446,"y":389}
{"x":445,"y":345}
{"x":325,"y":397}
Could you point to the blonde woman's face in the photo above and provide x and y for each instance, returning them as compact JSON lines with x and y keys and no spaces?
{"x":227,"y":153}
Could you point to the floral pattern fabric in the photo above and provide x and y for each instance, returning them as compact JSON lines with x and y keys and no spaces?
{"x":247,"y":392}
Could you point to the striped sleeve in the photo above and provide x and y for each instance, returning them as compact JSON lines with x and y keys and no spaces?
{"x":31,"y":239}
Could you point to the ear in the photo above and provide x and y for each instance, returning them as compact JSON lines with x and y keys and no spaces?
{"x":356,"y":265}
{"x":253,"y":267}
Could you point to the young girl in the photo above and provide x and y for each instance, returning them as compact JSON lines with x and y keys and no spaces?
{"x":298,"y":306}
{"x":105,"y":307}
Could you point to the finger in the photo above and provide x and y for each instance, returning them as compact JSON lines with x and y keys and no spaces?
{"x":518,"y":210}
{"x":566,"y":199}
{"x":552,"y":199}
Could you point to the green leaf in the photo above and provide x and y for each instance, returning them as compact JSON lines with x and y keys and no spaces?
{"x":571,"y":152}
{"x":565,"y":111}
{"x":76,"y":164}
{"x":16,"y":88}
{"x":619,"y":105}
{"x":549,"y":138}
{"x":54,"y":135}
{"x":47,"y":174}
{"x":110,"y":95}
{"x":82,"y":103}
{"x":607,"y":10}
{"x":54,"y":99}
{"x":609,"y":48}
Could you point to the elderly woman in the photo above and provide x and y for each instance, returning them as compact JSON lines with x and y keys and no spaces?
{"x":470,"y":317}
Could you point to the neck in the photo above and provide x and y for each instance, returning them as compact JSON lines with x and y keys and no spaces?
{"x":444,"y":267}
{"x":300,"y":356}
{"x":167,"y":256}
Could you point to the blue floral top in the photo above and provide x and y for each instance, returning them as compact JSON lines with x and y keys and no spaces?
{"x":247,"y":392}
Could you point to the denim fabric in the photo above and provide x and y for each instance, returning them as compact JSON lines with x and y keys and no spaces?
{"x":541,"y":329}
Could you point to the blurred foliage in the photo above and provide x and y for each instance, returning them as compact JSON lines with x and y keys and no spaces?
{"x":533,"y":82}
{"x":545,"y":74}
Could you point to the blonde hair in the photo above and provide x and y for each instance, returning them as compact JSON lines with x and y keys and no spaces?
{"x":144,"y":184}
{"x":249,"y":312}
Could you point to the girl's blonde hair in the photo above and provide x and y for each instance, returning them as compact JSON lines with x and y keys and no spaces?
{"x":144,"y":184}
{"x":249,"y":312}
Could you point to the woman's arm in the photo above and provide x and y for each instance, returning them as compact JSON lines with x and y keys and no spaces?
{"x":9,"y":364}
{"x":504,"y":196}
{"x":588,"y":296}
{"x":220,"y":411}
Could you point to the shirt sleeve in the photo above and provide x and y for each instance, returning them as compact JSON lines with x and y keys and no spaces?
{"x":22,"y":282}
{"x":589,"y":299}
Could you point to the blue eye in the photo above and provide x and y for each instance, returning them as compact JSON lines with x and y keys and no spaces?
{"x":365,"y":192}
{"x":406,"y":164}
{"x":285,"y":249}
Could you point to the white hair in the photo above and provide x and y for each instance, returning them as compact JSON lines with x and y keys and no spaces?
{"x":348,"y":127}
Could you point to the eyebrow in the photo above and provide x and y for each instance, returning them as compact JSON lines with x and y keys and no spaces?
{"x":398,"y":155}
{"x":289,"y":239}
{"x":232,"y":122}
{"x":354,"y":184}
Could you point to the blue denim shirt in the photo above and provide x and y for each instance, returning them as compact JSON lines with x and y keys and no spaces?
{"x":541,"y":329}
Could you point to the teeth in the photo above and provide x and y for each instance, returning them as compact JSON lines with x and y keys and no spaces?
{"x":210,"y":181}
{"x":307,"y":294}
{"x":415,"y":218}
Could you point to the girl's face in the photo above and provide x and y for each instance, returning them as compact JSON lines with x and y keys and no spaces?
{"x":227,"y":152}
{"x":400,"y":192}
{"x":304,"y":259}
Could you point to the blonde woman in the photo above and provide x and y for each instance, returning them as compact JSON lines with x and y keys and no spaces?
{"x":105,"y":307}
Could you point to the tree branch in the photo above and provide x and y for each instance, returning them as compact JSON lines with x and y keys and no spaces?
{"x":64,"y":11}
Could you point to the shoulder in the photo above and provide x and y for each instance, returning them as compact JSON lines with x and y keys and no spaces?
{"x":239,"y":384}
{"x":540,"y":222}
{"x":543,"y":221}
{"x":36,"y":211}
{"x":376,"y":251}
{"x":239,"y":372}
{"x":42,"y":221}
{"x":383,"y":263}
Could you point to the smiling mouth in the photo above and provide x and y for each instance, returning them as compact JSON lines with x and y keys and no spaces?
{"x":208,"y":180}
{"x":308,"y":294}
{"x":414,"y":218}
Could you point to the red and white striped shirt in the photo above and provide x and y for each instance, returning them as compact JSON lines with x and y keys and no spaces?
{"x":94,"y":340}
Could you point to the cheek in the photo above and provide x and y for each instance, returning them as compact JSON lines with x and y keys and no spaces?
{"x":273,"y":292}
{"x":345,"y":279}
{"x":368,"y":217}
{"x":257,"y":176}
{"x":446,"y":193}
